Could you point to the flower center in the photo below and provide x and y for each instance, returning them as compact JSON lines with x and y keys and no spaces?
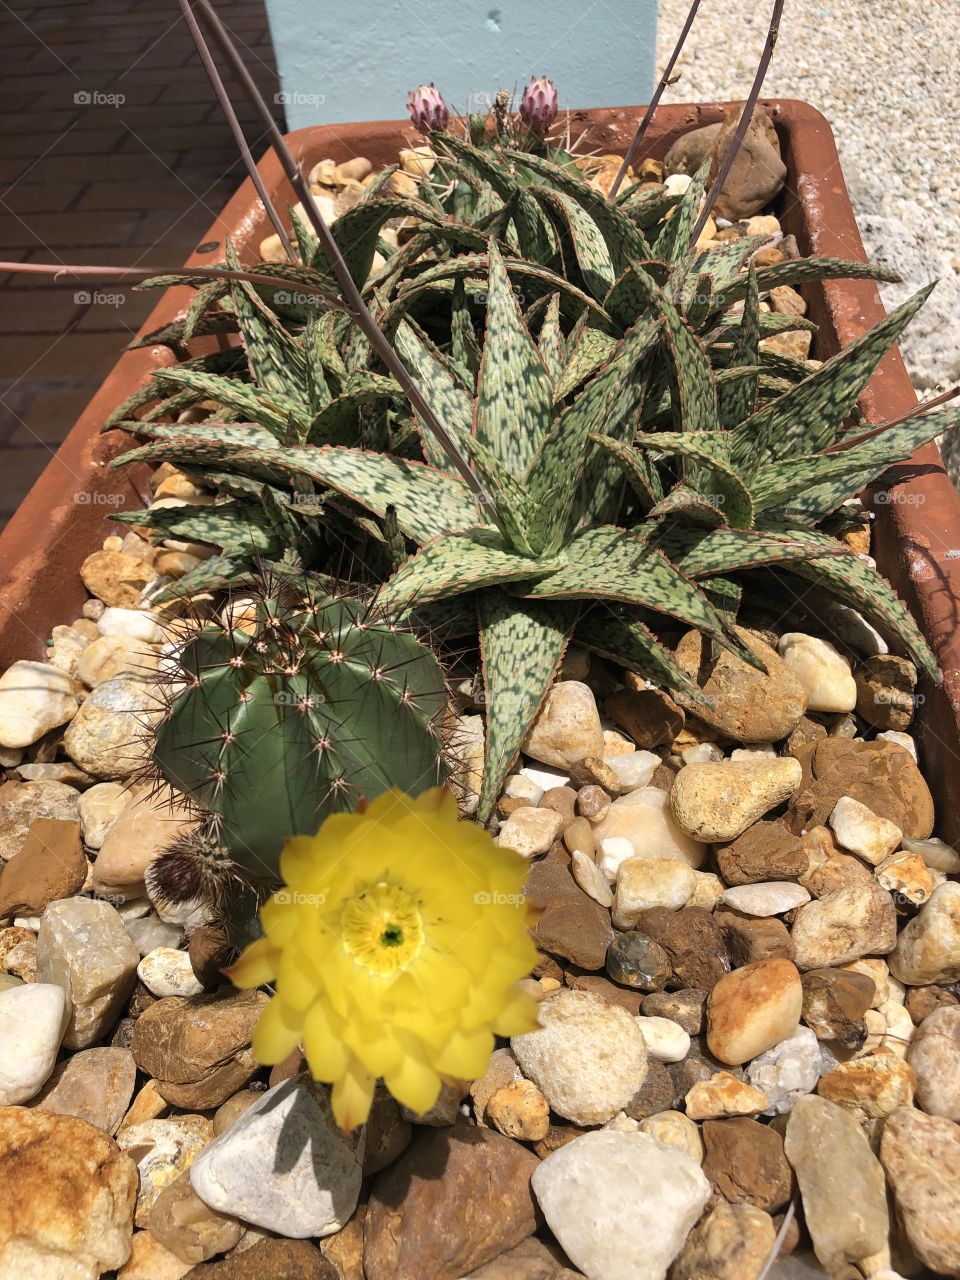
{"x":382,"y":928}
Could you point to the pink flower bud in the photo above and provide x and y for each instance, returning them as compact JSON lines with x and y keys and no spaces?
{"x":538,"y":106}
{"x":428,"y":111}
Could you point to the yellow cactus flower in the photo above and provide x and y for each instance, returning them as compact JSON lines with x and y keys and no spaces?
{"x":395,"y":949}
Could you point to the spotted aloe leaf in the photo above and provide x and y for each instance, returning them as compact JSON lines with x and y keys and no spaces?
{"x":271,"y":411}
{"x":455,"y":563}
{"x":686,"y":502}
{"x":464,"y":347}
{"x":239,"y":528}
{"x":276,"y":361}
{"x":737,"y":401}
{"x":534,"y":232}
{"x":356,"y":231}
{"x":245,"y":434}
{"x":722,"y":264}
{"x":336,"y":423}
{"x":589,"y":246}
{"x":609,"y":401}
{"x":822,"y":483}
{"x":809,"y":416}
{"x":609,"y":631}
{"x":623,"y":238}
{"x":428,"y":502}
{"x":717,"y":477}
{"x":522,"y":645}
{"x":206,"y":297}
{"x":509,"y":496}
{"x":473,"y":268}
{"x":673,"y":242}
{"x":648,"y":207}
{"x":725,"y":595}
{"x":440,"y":388}
{"x":694,"y":389}
{"x":216,"y":574}
{"x":514,"y":392}
{"x":803,"y":271}
{"x":639,"y":471}
{"x":587,"y":349}
{"x":550,"y":342}
{"x":856,"y":583}
{"x":705,"y":553}
{"x":614,"y":564}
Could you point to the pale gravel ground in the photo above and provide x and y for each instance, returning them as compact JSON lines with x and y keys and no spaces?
{"x":886,"y":74}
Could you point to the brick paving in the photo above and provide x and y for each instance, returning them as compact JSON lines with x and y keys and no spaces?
{"x":112,"y":150}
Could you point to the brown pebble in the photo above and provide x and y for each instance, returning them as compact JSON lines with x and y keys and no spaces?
{"x":922,"y":1001}
{"x":593,"y":803}
{"x":684,"y":1007}
{"x":510,"y":804}
{"x":752,"y":938}
{"x":562,"y":800}
{"x":558,"y":1135}
{"x":594,"y":771}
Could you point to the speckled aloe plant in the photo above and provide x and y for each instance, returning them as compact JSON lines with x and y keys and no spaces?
{"x":633,"y":469}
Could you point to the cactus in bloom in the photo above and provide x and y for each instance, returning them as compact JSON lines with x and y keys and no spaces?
{"x":538,"y":106}
{"x":301,"y":705}
{"x":428,"y":111}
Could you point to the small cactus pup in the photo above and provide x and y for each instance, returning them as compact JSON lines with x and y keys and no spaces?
{"x":538,"y":106}
{"x":298,"y":704}
{"x":428,"y":111}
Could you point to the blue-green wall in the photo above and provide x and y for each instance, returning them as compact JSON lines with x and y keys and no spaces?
{"x":356,"y":59}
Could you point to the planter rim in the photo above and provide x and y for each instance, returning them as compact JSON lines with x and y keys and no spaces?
{"x":917,"y":533}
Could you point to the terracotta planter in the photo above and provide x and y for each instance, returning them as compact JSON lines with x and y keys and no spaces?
{"x":67,"y":513}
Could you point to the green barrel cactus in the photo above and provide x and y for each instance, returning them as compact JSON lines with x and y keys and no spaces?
{"x":301,"y":706}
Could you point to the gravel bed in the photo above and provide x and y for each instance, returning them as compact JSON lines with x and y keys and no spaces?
{"x":885,"y":76}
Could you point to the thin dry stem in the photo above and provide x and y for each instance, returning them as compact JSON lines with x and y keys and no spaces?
{"x":227,"y":107}
{"x":634,"y":147}
{"x":745,"y":117}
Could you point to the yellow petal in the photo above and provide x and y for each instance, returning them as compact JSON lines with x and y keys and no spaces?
{"x":276,"y":1034}
{"x":414,"y":1084}
{"x":352,"y":1096}
{"x":326,"y":1055}
{"x":255,"y":966}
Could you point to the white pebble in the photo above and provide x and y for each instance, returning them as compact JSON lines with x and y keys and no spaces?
{"x":864,"y":832}
{"x":702,"y":753}
{"x":900,"y":740}
{"x":167,"y":972}
{"x":634,"y":770}
{"x":139,"y":624}
{"x":32,"y":1021}
{"x":822,"y":670}
{"x":677,"y":183}
{"x":613,"y":851}
{"x":936,"y":854}
{"x":766,"y":898}
{"x":665,"y":1039}
{"x":545,"y":777}
{"x":521,"y":787}
{"x":35,"y":697}
{"x":590,"y":878}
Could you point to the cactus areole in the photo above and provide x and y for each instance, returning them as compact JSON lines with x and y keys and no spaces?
{"x":295,"y":711}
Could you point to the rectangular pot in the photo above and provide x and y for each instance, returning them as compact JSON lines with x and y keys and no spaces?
{"x":917,"y":531}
